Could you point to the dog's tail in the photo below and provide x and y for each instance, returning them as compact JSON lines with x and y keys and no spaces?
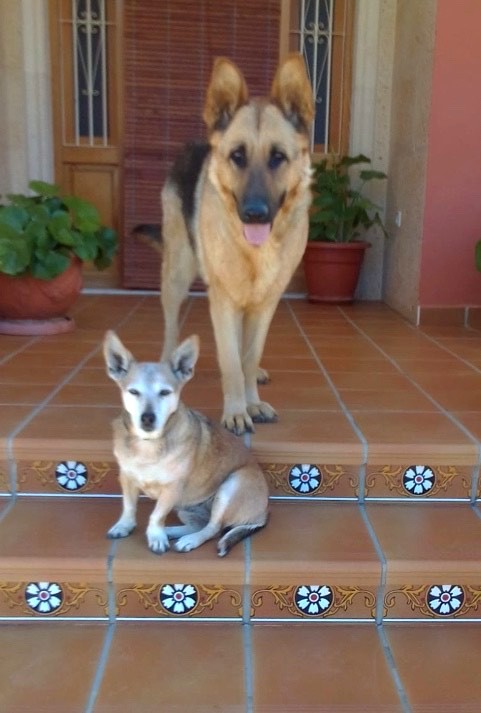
{"x":234,"y":535}
{"x":150,"y":234}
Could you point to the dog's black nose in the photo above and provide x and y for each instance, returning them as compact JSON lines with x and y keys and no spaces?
{"x":148,"y":420}
{"x":256,"y":210}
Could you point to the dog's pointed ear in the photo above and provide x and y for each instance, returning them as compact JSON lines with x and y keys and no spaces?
{"x":227,"y":92}
{"x":184,"y":358}
{"x":292,"y":92}
{"x":117,"y":358}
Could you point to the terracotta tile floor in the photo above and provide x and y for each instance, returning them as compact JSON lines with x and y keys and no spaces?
{"x":338,"y":605}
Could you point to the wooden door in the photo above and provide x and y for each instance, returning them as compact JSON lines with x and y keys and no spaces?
{"x":87,"y":83}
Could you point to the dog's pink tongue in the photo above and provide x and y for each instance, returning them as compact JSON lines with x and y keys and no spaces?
{"x":256,"y":233}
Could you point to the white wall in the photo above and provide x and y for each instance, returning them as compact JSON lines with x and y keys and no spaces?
{"x":374,"y":35}
{"x":26,"y":146}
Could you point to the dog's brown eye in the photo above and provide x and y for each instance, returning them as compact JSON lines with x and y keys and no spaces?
{"x":238,"y":157}
{"x":165,"y":392}
{"x":276,"y":158}
{"x":134,"y":392}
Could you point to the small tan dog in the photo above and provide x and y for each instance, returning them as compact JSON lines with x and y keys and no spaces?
{"x":179,"y":458}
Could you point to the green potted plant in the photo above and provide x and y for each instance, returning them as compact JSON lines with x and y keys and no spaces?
{"x":44,"y":239}
{"x":339,"y":217}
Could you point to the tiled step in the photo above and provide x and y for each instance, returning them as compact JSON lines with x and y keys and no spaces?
{"x":362,"y":593}
{"x":313,"y":562}
{"x":232,"y":668}
{"x":75,"y":474}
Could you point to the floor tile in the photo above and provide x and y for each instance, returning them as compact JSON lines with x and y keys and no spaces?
{"x":24,"y":394}
{"x":423,"y":436}
{"x":311,"y":436}
{"x":407,"y":399}
{"x":321,"y":669}
{"x":176,"y":668}
{"x":433,"y":540}
{"x":48,"y":668}
{"x":68,"y":432}
{"x":49,"y":537}
{"x":303,"y":542}
{"x":134,"y":562}
{"x":438,"y":666}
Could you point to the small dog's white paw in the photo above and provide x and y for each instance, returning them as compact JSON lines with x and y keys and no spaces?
{"x":262,"y":412}
{"x":157,"y":539}
{"x":122,"y":528}
{"x":262,"y":376}
{"x":238,"y":423}
{"x":187,"y":543}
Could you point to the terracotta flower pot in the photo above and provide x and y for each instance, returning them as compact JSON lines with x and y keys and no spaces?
{"x":26,"y":297}
{"x":332,"y":270}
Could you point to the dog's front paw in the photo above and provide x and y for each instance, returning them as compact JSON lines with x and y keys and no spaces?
{"x":157,"y":540}
{"x":262,"y":376}
{"x":238,"y":423}
{"x":122,"y":528}
{"x":262,"y":412}
{"x":187,"y":543}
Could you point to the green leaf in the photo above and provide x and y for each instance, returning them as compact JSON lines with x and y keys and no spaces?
{"x":86,"y":248}
{"x":44,"y":189}
{"x":59,"y":227}
{"x":14,"y":256}
{"x":8,"y":232}
{"x":347,"y":161}
{"x":14,"y":216}
{"x":85,"y":215}
{"x":52,"y":265}
{"x":19,"y":199}
{"x":369,"y":175}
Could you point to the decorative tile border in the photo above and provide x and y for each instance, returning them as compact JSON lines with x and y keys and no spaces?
{"x":312,"y":479}
{"x":167,"y":600}
{"x":433,"y":601}
{"x":418,"y":481}
{"x":67,"y":477}
{"x":52,"y":599}
{"x":313,"y":601}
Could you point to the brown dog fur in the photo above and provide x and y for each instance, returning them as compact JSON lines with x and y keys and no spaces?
{"x":258,"y":155}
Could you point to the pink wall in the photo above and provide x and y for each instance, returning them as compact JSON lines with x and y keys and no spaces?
{"x":452,"y":219}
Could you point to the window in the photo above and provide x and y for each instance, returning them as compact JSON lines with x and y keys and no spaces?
{"x":321,"y":30}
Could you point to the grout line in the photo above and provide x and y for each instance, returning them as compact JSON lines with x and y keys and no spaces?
{"x":36,"y":410}
{"x":272,"y":498}
{"x":347,"y":413}
{"x":474,"y":483}
{"x":442,"y":346}
{"x":476,"y":510}
{"x":248,"y":668}
{"x":6,"y":509}
{"x":313,"y":622}
{"x":246,"y":605}
{"x":112,"y":612}
{"x":50,"y":621}
{"x":177,"y":619}
{"x":425,"y":393}
{"x":66,"y":494}
{"x":383,"y":562}
{"x":393,"y":670}
{"x":6,"y":358}
{"x":101,"y":664}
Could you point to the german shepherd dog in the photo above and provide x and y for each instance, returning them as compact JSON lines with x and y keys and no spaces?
{"x":235,"y":211}
{"x":177,"y":457}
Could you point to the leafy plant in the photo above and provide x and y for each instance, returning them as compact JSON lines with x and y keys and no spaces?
{"x":39,"y":234}
{"x":340,"y":213}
